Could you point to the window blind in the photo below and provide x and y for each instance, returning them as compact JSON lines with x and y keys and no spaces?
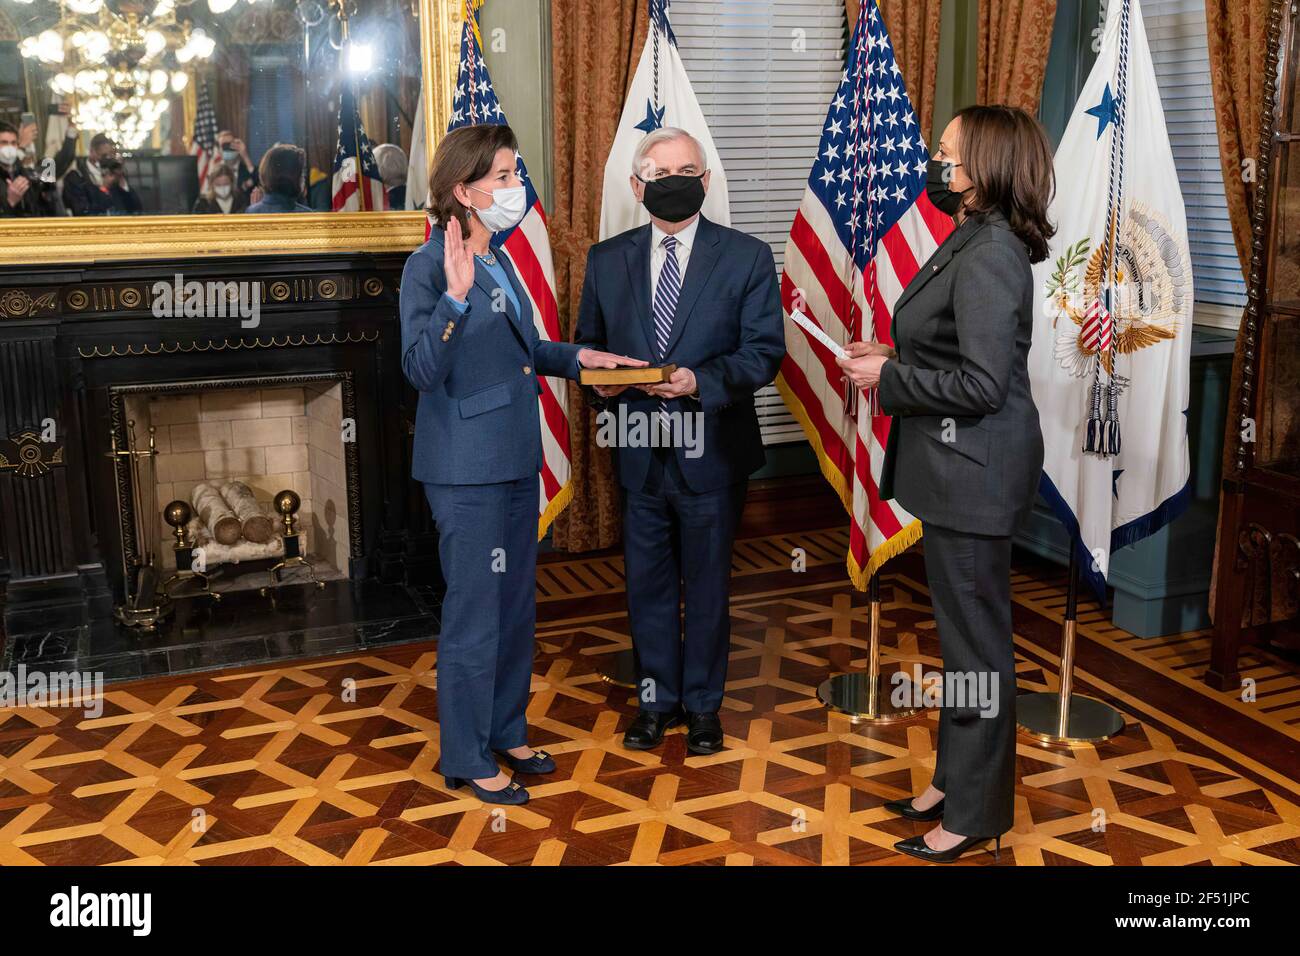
{"x":764,"y":72}
{"x":1177,"y":35}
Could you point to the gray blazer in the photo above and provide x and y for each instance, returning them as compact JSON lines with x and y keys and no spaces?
{"x":965,"y":450}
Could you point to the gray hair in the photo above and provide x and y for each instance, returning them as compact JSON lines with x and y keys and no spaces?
{"x":665,"y":134}
{"x":391,"y":160}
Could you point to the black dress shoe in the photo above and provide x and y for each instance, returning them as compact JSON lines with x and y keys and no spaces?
{"x":539,"y":762}
{"x":917,"y":847}
{"x":511,"y":795}
{"x":904,"y":808}
{"x":703,"y":733}
{"x":647,"y":730}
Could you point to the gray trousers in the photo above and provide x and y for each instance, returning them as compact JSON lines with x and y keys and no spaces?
{"x":975,"y":767}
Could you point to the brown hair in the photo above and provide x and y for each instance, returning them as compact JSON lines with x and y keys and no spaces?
{"x":217,"y":170}
{"x":281,"y":169}
{"x":1008,"y":158}
{"x":464,"y":155}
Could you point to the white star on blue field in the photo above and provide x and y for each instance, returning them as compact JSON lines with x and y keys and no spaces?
{"x":871,"y":162}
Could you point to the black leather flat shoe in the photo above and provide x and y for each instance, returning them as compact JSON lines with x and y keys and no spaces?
{"x":647,"y":730}
{"x":539,"y":762}
{"x":917,"y":847}
{"x":904,"y":808}
{"x":703,"y":733}
{"x":511,"y":795}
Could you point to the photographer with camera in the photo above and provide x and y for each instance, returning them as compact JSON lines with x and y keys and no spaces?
{"x":22,"y":193}
{"x":96,"y":185}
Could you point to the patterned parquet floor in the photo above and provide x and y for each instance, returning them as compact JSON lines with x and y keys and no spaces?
{"x":333,"y":761}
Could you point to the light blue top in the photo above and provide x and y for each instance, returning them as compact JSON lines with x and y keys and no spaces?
{"x":498,"y":274}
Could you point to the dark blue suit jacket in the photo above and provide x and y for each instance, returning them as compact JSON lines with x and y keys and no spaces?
{"x":728,"y":331}
{"x":477,"y":421}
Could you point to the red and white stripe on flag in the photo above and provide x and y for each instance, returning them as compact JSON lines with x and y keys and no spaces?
{"x":863,"y":230}
{"x":528,"y":248}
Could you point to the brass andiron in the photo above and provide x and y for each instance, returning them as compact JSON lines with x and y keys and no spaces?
{"x":178,"y":514}
{"x":286,"y":505}
{"x":147,"y":604}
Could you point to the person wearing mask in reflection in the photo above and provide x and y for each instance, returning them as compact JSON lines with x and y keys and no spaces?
{"x":281,"y":173}
{"x":470,"y":348}
{"x":22,"y":192}
{"x":219,"y":194}
{"x":235,"y":155}
{"x":392,"y":164}
{"x":685,"y":291}
{"x":96,"y":184}
{"x":966,"y":451}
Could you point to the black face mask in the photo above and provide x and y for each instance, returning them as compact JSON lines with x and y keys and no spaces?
{"x":674,"y":198}
{"x":938,"y":176}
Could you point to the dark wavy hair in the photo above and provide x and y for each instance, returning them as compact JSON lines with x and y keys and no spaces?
{"x":464,"y":155}
{"x":282,"y":170}
{"x":1006,"y":154}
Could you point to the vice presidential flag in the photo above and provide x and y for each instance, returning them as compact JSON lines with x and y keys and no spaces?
{"x":660,"y":95}
{"x":863,"y":229}
{"x":1112,"y":335}
{"x":357,"y":185}
{"x":528,"y":248}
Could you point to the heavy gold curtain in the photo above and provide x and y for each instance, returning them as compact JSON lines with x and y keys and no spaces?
{"x":914,"y":30}
{"x":595,"y":44}
{"x":1238,"y":37}
{"x":1015,"y":37}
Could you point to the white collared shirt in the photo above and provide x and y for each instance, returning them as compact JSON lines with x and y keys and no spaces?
{"x":685,"y":239}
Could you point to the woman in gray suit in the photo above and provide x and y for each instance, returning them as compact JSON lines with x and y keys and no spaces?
{"x":469,"y":346}
{"x":965,"y":451}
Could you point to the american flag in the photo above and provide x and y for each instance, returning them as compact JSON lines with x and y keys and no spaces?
{"x":357,"y":185}
{"x":203,"y":142}
{"x":863,"y":229}
{"x":529,"y":250}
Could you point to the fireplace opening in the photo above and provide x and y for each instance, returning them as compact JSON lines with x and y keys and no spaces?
{"x":227,"y":449}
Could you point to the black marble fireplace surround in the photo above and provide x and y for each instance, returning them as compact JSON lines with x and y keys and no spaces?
{"x":72,"y":339}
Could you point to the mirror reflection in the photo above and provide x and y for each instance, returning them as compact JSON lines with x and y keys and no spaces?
{"x":208,"y":107}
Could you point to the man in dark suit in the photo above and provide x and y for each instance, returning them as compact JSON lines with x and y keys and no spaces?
{"x":684,"y":291}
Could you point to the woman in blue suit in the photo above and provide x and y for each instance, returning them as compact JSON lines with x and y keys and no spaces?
{"x":470,"y":347}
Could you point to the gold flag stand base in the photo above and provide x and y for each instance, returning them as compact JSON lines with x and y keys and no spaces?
{"x":1066,"y":718}
{"x":867,"y":696}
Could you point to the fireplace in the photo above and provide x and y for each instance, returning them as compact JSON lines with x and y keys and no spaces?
{"x":269,"y":435}
{"x":271,"y":408}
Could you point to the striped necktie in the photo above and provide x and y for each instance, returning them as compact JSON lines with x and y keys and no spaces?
{"x":667,"y":289}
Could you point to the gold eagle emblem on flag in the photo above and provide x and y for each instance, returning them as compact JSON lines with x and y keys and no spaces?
{"x":1153,"y":283}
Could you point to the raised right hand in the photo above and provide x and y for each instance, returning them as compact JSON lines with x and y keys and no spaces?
{"x":457,"y":262}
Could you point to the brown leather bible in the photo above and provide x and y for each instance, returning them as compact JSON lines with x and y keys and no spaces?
{"x":650,"y":375}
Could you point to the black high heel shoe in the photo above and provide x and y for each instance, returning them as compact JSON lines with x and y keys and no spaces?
{"x":539,"y":762}
{"x":904,"y":808}
{"x":917,"y":847}
{"x":511,"y":795}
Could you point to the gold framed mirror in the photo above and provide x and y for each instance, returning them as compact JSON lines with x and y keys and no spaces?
{"x":165,"y":27}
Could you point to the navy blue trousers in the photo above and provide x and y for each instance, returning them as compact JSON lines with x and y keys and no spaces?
{"x":677,"y":546}
{"x":487,"y":542}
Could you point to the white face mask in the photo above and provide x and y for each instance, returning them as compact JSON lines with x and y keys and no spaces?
{"x":223,"y":191}
{"x":507,"y":209}
{"x":8,"y":154}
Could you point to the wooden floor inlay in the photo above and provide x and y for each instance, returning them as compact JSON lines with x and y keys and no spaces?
{"x":334,"y":761}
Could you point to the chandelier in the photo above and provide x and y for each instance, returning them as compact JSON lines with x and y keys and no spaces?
{"x":120,"y":64}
